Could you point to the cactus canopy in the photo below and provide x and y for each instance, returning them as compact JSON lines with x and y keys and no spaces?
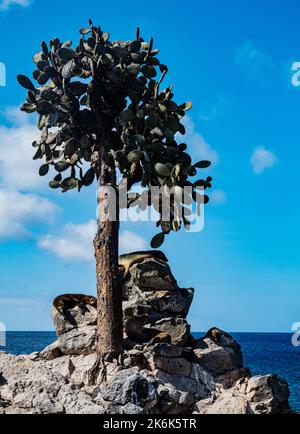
{"x":122,"y":83}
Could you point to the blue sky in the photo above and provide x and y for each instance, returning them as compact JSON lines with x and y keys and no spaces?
{"x":233,"y":60}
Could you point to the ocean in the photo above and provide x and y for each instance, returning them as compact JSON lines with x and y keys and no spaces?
{"x":264,"y":353}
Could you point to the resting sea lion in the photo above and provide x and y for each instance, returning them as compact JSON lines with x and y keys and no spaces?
{"x":127,"y":260}
{"x":135,"y":330}
{"x":215,"y":334}
{"x":68,"y":301}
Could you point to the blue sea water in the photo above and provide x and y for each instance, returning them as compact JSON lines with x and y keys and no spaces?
{"x":264,"y":353}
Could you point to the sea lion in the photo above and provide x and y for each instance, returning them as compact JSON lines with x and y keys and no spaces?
{"x":126,"y":261}
{"x":68,"y":301}
{"x":135,"y":330}
{"x":215,"y":334}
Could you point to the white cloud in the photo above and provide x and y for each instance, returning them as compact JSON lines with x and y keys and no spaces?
{"x":17,"y":168}
{"x":198,"y":147}
{"x":16,"y":116}
{"x":262,"y":159}
{"x":74,"y":242}
{"x":129,"y":242}
{"x":218,"y":197}
{"x":18,"y":210}
{"x":19,"y":207}
{"x":253,"y":61}
{"x":6,"y":4}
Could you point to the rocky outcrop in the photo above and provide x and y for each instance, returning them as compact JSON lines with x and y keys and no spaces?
{"x":164,"y":379}
{"x":175,"y":376}
{"x":78,"y":337}
{"x":221,"y":356}
{"x":267,"y":394}
{"x":151,"y":291}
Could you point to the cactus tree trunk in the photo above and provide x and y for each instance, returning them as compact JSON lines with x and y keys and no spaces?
{"x":109,"y":290}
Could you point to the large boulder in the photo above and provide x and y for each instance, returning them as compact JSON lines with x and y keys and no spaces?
{"x":152,"y":290}
{"x":266,"y":394}
{"x":76,"y":333}
{"x":219,"y":354}
{"x":75,"y":320}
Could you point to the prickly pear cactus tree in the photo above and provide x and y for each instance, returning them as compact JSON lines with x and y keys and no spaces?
{"x":101,"y":104}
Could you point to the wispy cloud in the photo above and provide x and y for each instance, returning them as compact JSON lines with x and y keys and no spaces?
{"x":253,"y":61}
{"x":218,"y":197}
{"x":6,"y":4}
{"x":74,"y":242}
{"x":18,"y":210}
{"x":198,"y":147}
{"x":219,"y":106}
{"x":262,"y":159}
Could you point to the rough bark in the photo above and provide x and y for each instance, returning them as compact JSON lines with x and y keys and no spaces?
{"x":109,"y":292}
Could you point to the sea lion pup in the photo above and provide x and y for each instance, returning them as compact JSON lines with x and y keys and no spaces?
{"x":126,"y":261}
{"x":135,"y":330}
{"x":68,"y":301}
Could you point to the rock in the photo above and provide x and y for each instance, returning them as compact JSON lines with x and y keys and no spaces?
{"x":178,"y":393}
{"x":46,"y":405}
{"x":167,"y":350}
{"x":137,"y":358}
{"x":75,"y":337}
{"x":180,"y":376}
{"x":178,"y":328}
{"x":222,"y":358}
{"x":33,"y":356}
{"x":170,"y":382}
{"x":200,"y":376}
{"x":177,"y":366}
{"x":225,"y":403}
{"x":63,"y":366}
{"x":4,"y":404}
{"x":81,"y":340}
{"x":150,"y":274}
{"x":152,"y":290}
{"x":76,"y":401}
{"x":228,"y":379}
{"x":267,"y":394}
{"x":129,"y":385}
{"x":167,"y":302}
{"x":130,"y":408}
{"x":62,"y":326}
{"x":29,"y":385}
{"x":181,"y":382}
{"x":82,"y":365}
{"x":51,"y":352}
